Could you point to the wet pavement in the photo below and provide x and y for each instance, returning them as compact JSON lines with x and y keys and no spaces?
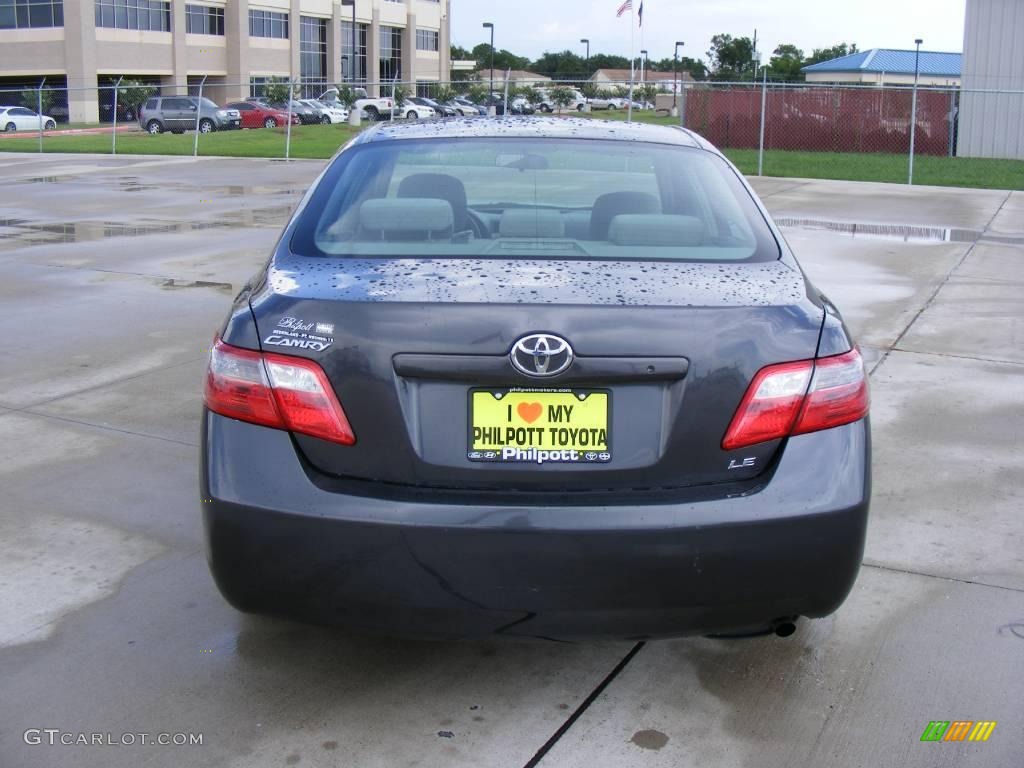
{"x":117,"y":271}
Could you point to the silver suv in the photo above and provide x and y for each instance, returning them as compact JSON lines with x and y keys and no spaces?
{"x":178,"y":114}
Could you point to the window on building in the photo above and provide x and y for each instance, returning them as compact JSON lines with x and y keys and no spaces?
{"x":204,"y":20}
{"x":152,"y":15}
{"x":312,"y":55}
{"x":353,"y":71}
{"x":27,"y":14}
{"x":390,"y":63}
{"x":426,"y":40}
{"x":268,"y":24}
{"x":257,"y":87}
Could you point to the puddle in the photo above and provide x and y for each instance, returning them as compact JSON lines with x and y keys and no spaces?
{"x":140,"y":184}
{"x":906,"y":233}
{"x":19,"y":233}
{"x":171,"y":283}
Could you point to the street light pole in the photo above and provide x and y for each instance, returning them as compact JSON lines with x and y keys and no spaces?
{"x":913,"y":110}
{"x":675,"y":72}
{"x":489,"y":25}
{"x":586,"y":66}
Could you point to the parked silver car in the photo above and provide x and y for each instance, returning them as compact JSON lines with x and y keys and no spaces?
{"x":178,"y":114}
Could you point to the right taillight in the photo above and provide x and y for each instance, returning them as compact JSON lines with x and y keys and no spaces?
{"x":280,"y":391}
{"x":798,"y":397}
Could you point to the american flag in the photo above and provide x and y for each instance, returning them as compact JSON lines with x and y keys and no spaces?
{"x":627,"y":5}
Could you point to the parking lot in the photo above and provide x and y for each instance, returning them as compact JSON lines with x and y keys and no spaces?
{"x":117,"y":271}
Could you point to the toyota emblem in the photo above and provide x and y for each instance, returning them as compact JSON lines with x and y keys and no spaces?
{"x":541,"y":354}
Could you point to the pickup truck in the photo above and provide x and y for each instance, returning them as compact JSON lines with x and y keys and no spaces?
{"x":373,"y":109}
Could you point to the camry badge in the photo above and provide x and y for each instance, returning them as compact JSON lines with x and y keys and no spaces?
{"x":541,"y":354}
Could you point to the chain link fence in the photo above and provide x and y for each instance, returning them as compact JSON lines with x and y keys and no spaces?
{"x":858,"y":132}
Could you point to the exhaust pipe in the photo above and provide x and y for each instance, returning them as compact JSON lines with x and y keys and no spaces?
{"x":785,"y":628}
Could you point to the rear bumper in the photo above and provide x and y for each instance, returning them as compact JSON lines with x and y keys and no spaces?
{"x":277,"y":543}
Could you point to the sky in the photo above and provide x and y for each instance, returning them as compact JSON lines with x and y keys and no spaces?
{"x":531,"y":27}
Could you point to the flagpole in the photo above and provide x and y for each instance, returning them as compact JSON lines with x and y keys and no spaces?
{"x":632,"y":62}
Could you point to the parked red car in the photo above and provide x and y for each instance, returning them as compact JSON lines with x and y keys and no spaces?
{"x":256,"y":115}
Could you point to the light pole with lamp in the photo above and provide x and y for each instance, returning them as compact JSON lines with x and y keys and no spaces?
{"x":490,"y":26}
{"x":643,"y":60}
{"x":913,"y":109}
{"x":675,"y":74}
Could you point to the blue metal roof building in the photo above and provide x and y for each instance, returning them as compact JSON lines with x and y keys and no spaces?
{"x":887,"y":65}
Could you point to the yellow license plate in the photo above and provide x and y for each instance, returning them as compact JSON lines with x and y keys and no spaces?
{"x":539,"y":425}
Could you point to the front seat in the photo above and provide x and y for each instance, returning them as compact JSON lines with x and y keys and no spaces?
{"x":611,"y":204}
{"x":439,"y":186}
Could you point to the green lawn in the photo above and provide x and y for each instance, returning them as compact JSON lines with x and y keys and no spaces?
{"x":315,"y":141}
{"x":308,"y":141}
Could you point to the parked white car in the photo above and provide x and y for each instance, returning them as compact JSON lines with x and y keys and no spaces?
{"x":370,"y":108}
{"x":411,"y":111}
{"x":577,"y":104}
{"x":607,"y":102}
{"x":22,"y":119}
{"x":334,"y":112}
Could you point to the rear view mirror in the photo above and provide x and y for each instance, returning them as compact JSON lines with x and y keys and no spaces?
{"x":523,"y":162}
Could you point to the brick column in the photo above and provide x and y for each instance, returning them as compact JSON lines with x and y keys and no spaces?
{"x":236,"y":28}
{"x":409,"y":46}
{"x":373,"y":53}
{"x":294,"y":35}
{"x":80,"y":60}
{"x":444,"y":43}
{"x":177,"y":84}
{"x":334,"y":45}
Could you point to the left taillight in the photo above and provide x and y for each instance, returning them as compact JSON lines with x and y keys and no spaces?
{"x":279,"y":391}
{"x":800,"y":397}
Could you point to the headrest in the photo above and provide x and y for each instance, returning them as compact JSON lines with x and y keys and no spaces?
{"x":531,"y":222}
{"x":407,"y":215}
{"x":611,"y":204}
{"x":440,"y":186}
{"x":656,"y":229}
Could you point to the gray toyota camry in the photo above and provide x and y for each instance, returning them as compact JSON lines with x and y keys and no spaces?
{"x":532,"y":376}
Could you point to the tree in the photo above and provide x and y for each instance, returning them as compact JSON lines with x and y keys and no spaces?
{"x":645,"y":92}
{"x":277,"y":90}
{"x":528,"y":92}
{"x":698,"y":69}
{"x":787,"y":61}
{"x":30,"y":97}
{"x":346,"y":94}
{"x":606,"y":61}
{"x":502,"y":59}
{"x":477,"y":92}
{"x":442,"y":92}
{"x":565,"y":65}
{"x":399,"y":94}
{"x":562,"y":96}
{"x":835,"y":52}
{"x":133,"y":93}
{"x":731,"y":57}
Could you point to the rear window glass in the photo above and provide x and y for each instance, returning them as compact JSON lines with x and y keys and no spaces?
{"x":532,"y":198}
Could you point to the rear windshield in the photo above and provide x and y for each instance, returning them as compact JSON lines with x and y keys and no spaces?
{"x":534,"y":198}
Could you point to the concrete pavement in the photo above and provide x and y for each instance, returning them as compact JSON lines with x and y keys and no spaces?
{"x":117,"y":272}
